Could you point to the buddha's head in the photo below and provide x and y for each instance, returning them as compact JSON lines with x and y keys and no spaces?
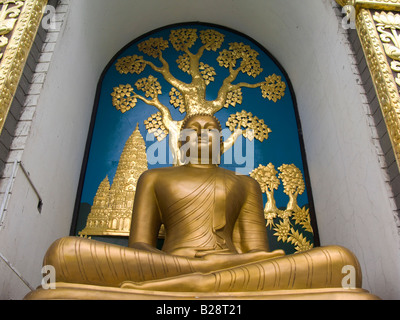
{"x":201,"y":140}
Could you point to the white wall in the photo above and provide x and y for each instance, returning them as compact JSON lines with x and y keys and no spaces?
{"x":351,"y":200}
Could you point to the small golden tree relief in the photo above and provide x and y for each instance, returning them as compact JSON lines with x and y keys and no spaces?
{"x":288,"y":223}
{"x":190,"y":98}
{"x":266,"y":177}
{"x":293,"y":183}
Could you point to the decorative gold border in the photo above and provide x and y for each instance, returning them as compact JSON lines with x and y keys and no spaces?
{"x":382,"y":76}
{"x":16,"y":53}
{"x":385,"y":86}
{"x":371,"y":4}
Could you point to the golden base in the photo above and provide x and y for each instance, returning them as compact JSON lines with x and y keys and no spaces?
{"x":67,"y":291}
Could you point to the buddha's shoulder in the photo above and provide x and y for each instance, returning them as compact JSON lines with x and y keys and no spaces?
{"x":152,"y":174}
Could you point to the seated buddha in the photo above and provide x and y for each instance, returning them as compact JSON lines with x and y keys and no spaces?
{"x":215,"y":245}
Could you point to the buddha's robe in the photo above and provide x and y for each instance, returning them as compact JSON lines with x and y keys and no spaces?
{"x":212,"y":210}
{"x":84,"y":261}
{"x":215,"y":242}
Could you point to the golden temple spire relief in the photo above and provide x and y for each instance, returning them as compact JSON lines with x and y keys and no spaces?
{"x":112,"y":207}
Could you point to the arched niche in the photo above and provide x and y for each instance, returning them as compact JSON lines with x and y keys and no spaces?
{"x":140,"y":89}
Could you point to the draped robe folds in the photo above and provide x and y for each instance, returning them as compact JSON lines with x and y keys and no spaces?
{"x":84,"y":261}
{"x":196,"y":221}
{"x":215,"y":242}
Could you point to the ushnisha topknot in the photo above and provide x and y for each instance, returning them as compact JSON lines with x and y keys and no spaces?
{"x":185,"y":121}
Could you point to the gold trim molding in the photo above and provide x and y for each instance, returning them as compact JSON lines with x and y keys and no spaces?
{"x":19,"y":22}
{"x":383,"y":62}
{"x":371,"y":4}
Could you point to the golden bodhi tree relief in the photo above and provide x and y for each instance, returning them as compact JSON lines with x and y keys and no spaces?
{"x":161,"y":79}
{"x":191,"y":98}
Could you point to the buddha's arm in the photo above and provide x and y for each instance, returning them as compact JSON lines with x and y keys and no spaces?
{"x":146,"y":220}
{"x":250,"y":232}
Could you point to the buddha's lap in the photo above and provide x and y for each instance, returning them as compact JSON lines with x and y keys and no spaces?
{"x":83,"y":261}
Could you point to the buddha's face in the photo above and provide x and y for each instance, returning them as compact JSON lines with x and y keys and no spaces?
{"x":202,"y":135}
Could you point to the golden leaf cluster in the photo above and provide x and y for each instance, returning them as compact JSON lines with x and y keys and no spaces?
{"x":282,"y":231}
{"x":176,"y":99}
{"x":207,"y":72}
{"x":255,"y":127}
{"x":292,"y":179}
{"x":150,"y":86}
{"x":250,"y":63}
{"x":239,"y":51}
{"x":240,"y":119}
{"x":130,"y":64}
{"x":300,"y":242}
{"x":212,"y":39}
{"x":153,"y":46}
{"x":184,"y":63}
{"x":226,"y":59}
{"x":155,"y":125}
{"x":252,"y":67}
{"x":123,"y":98}
{"x":302,"y":217}
{"x":266,"y":177}
{"x":233,"y":98}
{"x":183,"y":39}
{"x":273,"y":88}
{"x":285,"y":232}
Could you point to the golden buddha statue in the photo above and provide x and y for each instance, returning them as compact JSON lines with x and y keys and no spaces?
{"x":215,"y":247}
